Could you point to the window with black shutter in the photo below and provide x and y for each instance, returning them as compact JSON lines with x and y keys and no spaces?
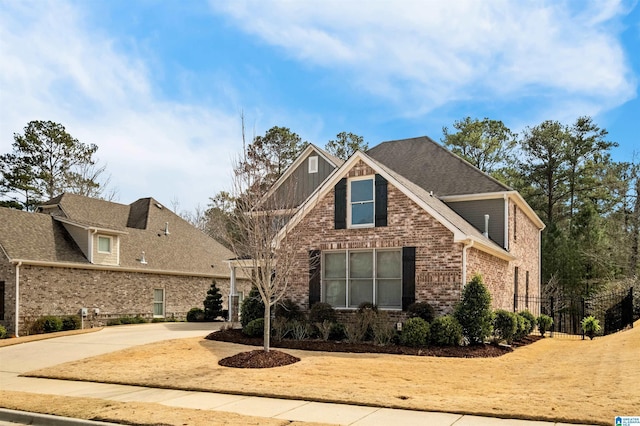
{"x":408,"y":276}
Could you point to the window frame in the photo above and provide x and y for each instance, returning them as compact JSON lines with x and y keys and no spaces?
{"x":108,"y":238}
{"x":313,"y":164}
{"x":374,"y":278}
{"x":161,"y":303}
{"x":350,"y":203}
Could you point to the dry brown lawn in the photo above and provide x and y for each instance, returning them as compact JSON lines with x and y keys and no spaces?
{"x":552,"y":379}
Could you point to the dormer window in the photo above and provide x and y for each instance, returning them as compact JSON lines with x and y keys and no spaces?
{"x":361,"y":203}
{"x":104,"y":244}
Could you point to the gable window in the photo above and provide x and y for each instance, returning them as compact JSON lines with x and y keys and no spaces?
{"x":313,"y":164}
{"x":104,"y":244}
{"x":158,"y":303}
{"x":361,"y":202}
{"x":351,"y":277}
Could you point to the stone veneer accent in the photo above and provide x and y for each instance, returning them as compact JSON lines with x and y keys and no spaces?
{"x":438,"y":258}
{"x":63,"y":291}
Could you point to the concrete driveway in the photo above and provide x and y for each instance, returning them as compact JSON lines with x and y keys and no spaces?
{"x":18,"y":359}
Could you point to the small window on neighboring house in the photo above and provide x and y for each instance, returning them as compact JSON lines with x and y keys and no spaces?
{"x":1,"y":300}
{"x":313,"y":164}
{"x":158,"y":303}
{"x":361,"y":203}
{"x":104,"y":244}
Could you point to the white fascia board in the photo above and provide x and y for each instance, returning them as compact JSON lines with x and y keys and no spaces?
{"x":90,"y":227}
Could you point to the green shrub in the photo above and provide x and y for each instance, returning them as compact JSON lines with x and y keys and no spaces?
{"x":522,"y":326}
{"x":3,"y":332}
{"x":46,"y":324}
{"x":195,"y":315}
{"x":114,"y":321}
{"x":338,"y":331}
{"x":155,"y":320}
{"x":544,"y":324}
{"x":288,"y":310}
{"x":421,"y":310}
{"x":321,"y":312}
{"x":474,"y":311}
{"x":212,"y":303}
{"x":590,"y":326}
{"x":252,"y":307}
{"x":415,"y":332}
{"x":505,"y":325}
{"x":531,"y":318}
{"x":254,"y":328}
{"x":445,"y":331}
{"x":71,"y":322}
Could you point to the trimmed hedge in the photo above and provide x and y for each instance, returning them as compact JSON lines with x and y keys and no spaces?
{"x":445,"y":331}
{"x":415,"y":332}
{"x":255,"y":328}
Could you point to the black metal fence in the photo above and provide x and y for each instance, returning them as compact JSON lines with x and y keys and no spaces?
{"x":614,"y":311}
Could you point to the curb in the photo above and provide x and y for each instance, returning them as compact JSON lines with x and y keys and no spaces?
{"x":27,"y":418}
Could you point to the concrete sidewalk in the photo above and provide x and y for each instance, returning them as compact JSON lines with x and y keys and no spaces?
{"x":18,"y":359}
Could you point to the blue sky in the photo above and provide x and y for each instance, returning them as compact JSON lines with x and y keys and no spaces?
{"x":160,"y":86}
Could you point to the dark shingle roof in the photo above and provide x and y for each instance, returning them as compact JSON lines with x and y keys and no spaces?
{"x":140,"y":226}
{"x":434,"y":168}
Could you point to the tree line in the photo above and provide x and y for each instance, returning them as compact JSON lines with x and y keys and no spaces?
{"x":589,"y":203}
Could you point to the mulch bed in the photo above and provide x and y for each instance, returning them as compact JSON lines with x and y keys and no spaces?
{"x":273,"y":358}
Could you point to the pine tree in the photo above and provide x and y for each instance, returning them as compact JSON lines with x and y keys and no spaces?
{"x":213,"y":303}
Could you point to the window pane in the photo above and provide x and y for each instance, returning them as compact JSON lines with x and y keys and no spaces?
{"x":389,"y":264}
{"x":362,"y":214}
{"x":335,"y":265}
{"x":157,"y":295}
{"x":104,"y":244}
{"x":335,"y":293}
{"x":360,"y":291}
{"x":157,"y":309}
{"x":389,"y":293}
{"x":361,"y":264}
{"x":362,"y":190}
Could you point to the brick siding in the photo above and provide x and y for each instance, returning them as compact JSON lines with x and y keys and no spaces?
{"x":63,"y":291}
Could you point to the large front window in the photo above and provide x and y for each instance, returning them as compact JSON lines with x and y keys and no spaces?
{"x":361,"y":202}
{"x":352,"y":277}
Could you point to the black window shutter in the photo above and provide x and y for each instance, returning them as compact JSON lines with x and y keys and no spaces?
{"x":314,"y":277}
{"x":408,"y":276}
{"x":340,"y":192}
{"x":381,"y":201}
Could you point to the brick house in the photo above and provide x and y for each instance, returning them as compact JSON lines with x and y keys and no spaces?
{"x":112,"y":259}
{"x":409,"y":221}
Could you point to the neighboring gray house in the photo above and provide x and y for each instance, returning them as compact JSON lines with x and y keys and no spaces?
{"x":113,"y":259}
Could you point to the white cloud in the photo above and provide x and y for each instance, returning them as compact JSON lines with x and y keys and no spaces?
{"x":427,"y":54}
{"x":54,"y":68}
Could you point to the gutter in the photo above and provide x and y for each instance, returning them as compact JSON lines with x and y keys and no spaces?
{"x":90,"y":266}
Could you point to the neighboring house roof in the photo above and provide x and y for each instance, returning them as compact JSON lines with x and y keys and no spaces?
{"x":433,"y":167}
{"x":140,"y":226}
{"x":461,"y":229}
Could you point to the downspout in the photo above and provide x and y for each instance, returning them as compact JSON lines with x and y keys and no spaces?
{"x":17,"y":313}
{"x":467,"y":246}
{"x":506,"y":222}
